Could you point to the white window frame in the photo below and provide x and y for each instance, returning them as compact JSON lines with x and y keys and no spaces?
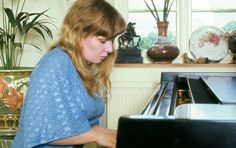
{"x":183,"y":27}
{"x":183,"y":20}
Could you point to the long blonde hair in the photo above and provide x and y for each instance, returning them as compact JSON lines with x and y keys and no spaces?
{"x":85,"y":18}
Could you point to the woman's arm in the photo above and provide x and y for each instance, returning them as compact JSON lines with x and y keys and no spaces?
{"x":101,"y":136}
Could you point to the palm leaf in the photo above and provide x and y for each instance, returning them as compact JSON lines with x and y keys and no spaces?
{"x":35,"y":46}
{"x":39,"y":31}
{"x":10,"y":16}
{"x":37,"y":16}
{"x":22,"y":16}
{"x":47,"y":30}
{"x":33,"y":21}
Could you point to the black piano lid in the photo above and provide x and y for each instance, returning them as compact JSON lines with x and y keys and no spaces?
{"x":151,"y":131}
{"x":223,"y":87}
{"x":156,"y":132}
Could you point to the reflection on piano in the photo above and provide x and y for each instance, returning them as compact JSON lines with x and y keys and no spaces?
{"x":196,"y":110}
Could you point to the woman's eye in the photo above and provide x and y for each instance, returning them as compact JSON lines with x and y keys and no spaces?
{"x":103,"y":41}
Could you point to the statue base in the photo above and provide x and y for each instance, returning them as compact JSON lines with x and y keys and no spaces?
{"x":129,"y":55}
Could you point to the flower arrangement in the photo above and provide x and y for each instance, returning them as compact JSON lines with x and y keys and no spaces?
{"x":166,"y":9}
{"x":16,"y":24}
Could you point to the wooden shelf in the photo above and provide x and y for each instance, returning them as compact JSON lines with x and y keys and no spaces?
{"x":174,"y":65}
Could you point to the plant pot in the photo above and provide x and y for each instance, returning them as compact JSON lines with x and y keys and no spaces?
{"x":163,"y":51}
{"x":13,"y":87}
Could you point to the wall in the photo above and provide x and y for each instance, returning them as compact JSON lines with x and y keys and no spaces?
{"x":57,"y":9}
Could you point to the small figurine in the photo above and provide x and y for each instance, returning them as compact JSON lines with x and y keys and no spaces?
{"x":128,"y":37}
{"x":129,"y":51}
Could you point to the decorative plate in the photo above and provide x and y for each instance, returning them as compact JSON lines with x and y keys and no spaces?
{"x":208,"y":42}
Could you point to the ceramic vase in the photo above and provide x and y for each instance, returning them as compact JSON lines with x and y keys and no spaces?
{"x":163,"y":51}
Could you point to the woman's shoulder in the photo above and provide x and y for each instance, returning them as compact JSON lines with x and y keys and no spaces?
{"x":55,"y":59}
{"x":56,"y":56}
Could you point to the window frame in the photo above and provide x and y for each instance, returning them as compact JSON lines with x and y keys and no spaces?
{"x":183,"y":20}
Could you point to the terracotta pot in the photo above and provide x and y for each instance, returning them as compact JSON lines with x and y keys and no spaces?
{"x":163,"y":51}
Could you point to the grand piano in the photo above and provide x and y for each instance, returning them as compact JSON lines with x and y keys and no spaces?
{"x":190,"y":110}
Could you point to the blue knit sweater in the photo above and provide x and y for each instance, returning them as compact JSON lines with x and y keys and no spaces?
{"x":57,"y":104}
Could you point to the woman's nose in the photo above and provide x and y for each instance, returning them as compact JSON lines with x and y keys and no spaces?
{"x":109,"y":46}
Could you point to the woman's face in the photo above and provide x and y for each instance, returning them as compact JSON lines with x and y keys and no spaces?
{"x":96,"y":49}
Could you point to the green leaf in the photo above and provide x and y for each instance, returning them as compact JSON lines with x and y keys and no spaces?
{"x":37,"y":47}
{"x":48,"y":31}
{"x":10,"y":16}
{"x":39,"y":31}
{"x":22,"y":16}
{"x":37,"y":16}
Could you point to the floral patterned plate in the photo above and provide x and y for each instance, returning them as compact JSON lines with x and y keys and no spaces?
{"x":208,"y":42}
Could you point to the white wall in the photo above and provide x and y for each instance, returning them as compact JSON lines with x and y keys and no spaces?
{"x":57,"y":9}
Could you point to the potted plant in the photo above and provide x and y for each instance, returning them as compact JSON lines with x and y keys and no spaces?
{"x":162,"y":51}
{"x":14,"y":31}
{"x":16,"y":25}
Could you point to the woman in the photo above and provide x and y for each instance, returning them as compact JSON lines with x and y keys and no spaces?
{"x":62,"y":107}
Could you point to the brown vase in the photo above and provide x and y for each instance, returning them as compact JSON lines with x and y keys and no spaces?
{"x":163,"y":51}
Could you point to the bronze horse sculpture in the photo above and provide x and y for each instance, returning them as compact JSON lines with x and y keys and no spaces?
{"x":128,"y":37}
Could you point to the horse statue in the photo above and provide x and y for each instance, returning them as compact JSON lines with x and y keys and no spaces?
{"x":128,"y":37}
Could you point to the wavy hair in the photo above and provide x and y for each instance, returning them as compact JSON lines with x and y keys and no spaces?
{"x":91,"y":18}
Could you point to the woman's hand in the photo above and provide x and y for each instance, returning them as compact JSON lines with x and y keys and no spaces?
{"x":102,"y":136}
{"x":105,"y":137}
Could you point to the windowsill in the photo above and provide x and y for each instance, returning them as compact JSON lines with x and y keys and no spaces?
{"x":150,"y":65}
{"x":226,"y":62}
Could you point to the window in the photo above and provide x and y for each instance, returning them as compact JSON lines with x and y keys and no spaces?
{"x":146,"y":24}
{"x":214,"y":12}
{"x":185,"y":17}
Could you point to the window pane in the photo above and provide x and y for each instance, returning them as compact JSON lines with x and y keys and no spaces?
{"x":224,"y":21}
{"x":147,"y":28}
{"x":139,"y":4}
{"x":213,"y":4}
{"x":146,"y":25}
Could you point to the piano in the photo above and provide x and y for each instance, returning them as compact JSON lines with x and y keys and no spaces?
{"x":190,"y":110}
